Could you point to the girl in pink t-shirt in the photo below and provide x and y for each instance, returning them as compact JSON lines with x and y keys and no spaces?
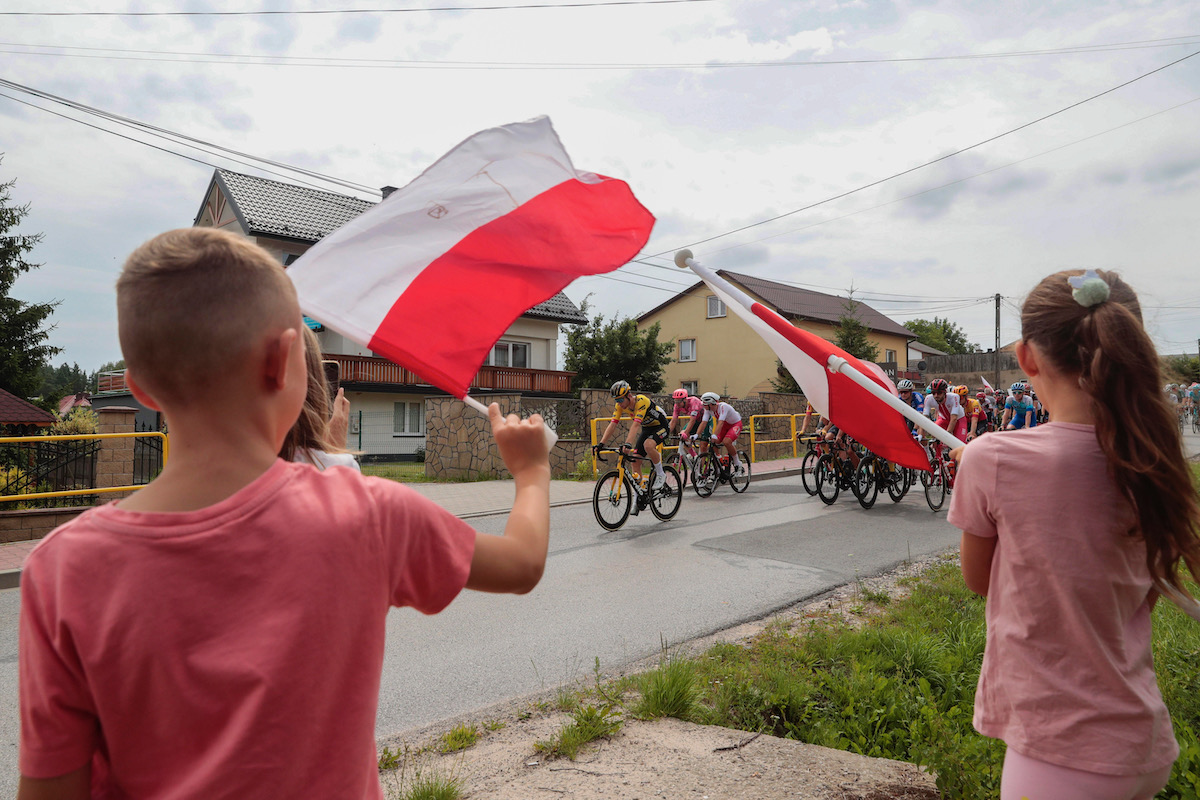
{"x":1071,"y":529}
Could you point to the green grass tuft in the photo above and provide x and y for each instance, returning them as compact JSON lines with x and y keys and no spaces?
{"x":588,"y":724}
{"x":459,"y":738}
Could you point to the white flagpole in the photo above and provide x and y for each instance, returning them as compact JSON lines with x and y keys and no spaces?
{"x":551,"y":436}
{"x":684,"y":260}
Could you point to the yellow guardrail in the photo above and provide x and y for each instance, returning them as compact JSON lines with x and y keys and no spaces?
{"x":754,"y":440}
{"x":79,"y":437}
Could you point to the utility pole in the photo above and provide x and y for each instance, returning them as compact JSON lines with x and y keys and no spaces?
{"x":996,"y":352}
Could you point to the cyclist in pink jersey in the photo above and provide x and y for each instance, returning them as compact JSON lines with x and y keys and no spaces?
{"x":690,"y":411}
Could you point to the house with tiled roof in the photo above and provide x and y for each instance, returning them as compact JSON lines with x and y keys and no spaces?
{"x":19,"y":417}
{"x":387,"y":401}
{"x":717,"y":351}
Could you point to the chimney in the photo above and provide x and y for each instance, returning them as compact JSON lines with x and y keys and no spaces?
{"x":387,"y":190}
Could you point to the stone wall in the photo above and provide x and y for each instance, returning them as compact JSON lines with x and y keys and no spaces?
{"x":459,"y":443}
{"x":114,"y":467}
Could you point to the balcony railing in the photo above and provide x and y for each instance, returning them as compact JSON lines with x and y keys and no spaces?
{"x":365,"y":369}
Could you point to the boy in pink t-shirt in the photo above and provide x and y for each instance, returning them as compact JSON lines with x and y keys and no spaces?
{"x":220,"y":633}
{"x":1071,"y":530}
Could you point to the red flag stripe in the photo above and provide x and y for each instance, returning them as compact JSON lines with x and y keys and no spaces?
{"x":501,"y":269}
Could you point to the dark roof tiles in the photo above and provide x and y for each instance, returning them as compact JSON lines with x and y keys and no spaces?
{"x":18,"y":411}
{"x":807,"y":304}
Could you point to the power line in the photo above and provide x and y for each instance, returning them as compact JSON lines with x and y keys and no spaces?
{"x":936,"y":160}
{"x":593,"y":4}
{"x":255,"y":59}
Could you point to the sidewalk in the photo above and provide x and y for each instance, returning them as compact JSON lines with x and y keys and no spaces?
{"x":465,"y":500}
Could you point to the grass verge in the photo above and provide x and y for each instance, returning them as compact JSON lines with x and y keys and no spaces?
{"x":901,"y":685}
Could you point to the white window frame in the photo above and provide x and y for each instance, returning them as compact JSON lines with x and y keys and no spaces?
{"x":720,"y":307}
{"x":512,"y":345}
{"x":890,"y":356}
{"x":693,"y":387}
{"x":684,"y":356}
{"x":406,"y":417}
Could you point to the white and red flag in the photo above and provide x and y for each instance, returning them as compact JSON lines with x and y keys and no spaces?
{"x":432,"y":276}
{"x":856,"y":396}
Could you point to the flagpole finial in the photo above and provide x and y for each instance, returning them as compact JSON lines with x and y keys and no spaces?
{"x":682,"y":257}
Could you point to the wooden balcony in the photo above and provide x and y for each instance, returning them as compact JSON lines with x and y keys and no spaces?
{"x":380,"y":371}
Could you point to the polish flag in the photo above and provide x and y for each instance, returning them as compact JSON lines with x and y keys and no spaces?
{"x":856,"y":396}
{"x":432,"y":276}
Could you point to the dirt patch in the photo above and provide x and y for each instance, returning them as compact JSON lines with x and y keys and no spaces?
{"x":668,"y":757}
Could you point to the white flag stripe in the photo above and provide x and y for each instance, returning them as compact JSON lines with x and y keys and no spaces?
{"x":489,"y":175}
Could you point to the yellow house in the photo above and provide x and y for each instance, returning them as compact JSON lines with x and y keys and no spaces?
{"x":718,"y":352}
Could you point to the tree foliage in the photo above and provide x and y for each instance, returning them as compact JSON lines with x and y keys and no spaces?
{"x":602,"y":352}
{"x":942,"y":334}
{"x":1182,"y":369}
{"x":23,"y":329}
{"x":786,"y":382}
{"x":852,"y":335}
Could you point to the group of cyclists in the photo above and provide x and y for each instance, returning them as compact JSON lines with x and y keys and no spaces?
{"x":703,"y":420}
{"x":955,"y":410}
{"x":1186,"y":401}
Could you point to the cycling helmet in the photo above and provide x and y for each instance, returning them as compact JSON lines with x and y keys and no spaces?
{"x":981,"y":395}
{"x":1017,"y":387}
{"x":961,"y":391}
{"x":939,"y":385}
{"x":904,"y":386}
{"x":620,"y":389}
{"x":679,"y":394}
{"x":709,"y":398}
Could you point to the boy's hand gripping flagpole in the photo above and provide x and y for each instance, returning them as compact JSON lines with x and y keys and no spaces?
{"x":808,"y":367}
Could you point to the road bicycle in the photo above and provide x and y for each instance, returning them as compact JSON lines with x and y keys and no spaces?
{"x":1196,"y":420}
{"x":619,"y":489}
{"x":938,"y":480}
{"x":833,"y":473}
{"x":712,"y":470}
{"x":686,"y":462}
{"x":817,"y":447}
{"x":875,"y":474}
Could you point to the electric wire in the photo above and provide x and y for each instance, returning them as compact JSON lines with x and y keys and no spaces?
{"x":256,"y":59}
{"x":936,"y":160}
{"x":326,"y":11}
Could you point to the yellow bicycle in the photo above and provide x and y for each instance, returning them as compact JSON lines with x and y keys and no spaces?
{"x":619,"y":489}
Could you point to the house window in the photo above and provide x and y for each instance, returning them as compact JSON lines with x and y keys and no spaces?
{"x":408,"y":418}
{"x":691,"y":386}
{"x":687,"y":349}
{"x":509,"y":354}
{"x":889,"y":356}
{"x":715,"y":307}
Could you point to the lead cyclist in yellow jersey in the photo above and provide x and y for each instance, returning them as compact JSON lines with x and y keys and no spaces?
{"x":649,"y":422}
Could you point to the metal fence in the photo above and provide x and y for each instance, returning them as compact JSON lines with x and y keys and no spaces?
{"x":147,"y":456}
{"x":373,"y":435}
{"x":564,"y":416}
{"x":29,"y":466}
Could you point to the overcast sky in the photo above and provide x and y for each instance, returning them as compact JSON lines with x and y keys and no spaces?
{"x":635,"y":92}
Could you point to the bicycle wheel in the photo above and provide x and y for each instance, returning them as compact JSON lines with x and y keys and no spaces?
{"x":808,"y":472}
{"x":935,"y":487}
{"x":707,"y":474}
{"x":611,"y":500}
{"x":828,"y":484}
{"x":898,"y":481}
{"x":739,"y":481}
{"x":679,"y":463}
{"x":866,"y":480}
{"x":666,"y":497}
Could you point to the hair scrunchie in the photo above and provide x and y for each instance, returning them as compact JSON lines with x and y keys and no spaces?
{"x":1088,"y":289}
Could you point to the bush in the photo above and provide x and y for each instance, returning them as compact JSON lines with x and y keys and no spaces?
{"x":419,"y":455}
{"x":79,"y":422}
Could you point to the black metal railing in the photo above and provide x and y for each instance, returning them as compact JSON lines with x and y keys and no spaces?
{"x":50,"y":466}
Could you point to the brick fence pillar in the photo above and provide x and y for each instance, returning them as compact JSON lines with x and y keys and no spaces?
{"x":115,"y":461}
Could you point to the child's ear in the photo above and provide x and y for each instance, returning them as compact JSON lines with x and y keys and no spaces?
{"x":1027,"y":358}
{"x":279,"y":358}
{"x":138,"y":392}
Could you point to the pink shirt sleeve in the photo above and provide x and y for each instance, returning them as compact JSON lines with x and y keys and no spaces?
{"x":974,"y":487}
{"x":428,"y":550}
{"x":57,"y":711}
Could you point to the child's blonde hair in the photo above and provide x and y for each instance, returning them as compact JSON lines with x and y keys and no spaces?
{"x":311,"y":431}
{"x":1107,"y":347}
{"x":193,"y":302}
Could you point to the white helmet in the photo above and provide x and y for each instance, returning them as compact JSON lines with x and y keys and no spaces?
{"x":710,"y":397}
{"x":905,"y":385}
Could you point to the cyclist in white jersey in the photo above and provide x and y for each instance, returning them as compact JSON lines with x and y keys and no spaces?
{"x":942,"y":406}
{"x":727,"y":424}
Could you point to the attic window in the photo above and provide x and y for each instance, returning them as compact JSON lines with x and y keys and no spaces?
{"x":715,"y":307}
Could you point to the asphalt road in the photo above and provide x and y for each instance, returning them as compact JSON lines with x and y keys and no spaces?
{"x":616,"y":596}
